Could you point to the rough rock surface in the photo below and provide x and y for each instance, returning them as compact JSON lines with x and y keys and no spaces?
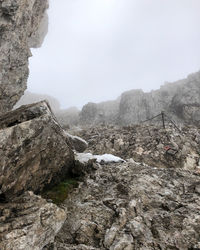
{"x":19,"y":22}
{"x":66,"y":117}
{"x":186,"y":102}
{"x":131,"y":206}
{"x":181,"y":99}
{"x":104,"y":112}
{"x":30,"y":98}
{"x":77,"y":143}
{"x":37,"y":37}
{"x":152,"y":145}
{"x":34,"y":150}
{"x":29,"y":223}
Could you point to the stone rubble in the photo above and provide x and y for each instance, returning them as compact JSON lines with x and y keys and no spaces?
{"x":152,"y":145}
{"x":130,"y":206}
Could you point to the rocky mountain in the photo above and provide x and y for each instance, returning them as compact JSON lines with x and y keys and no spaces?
{"x":105,"y":112}
{"x":180,"y":99}
{"x":151,"y":201}
{"x":20,"y":29}
{"x":147,"y":199}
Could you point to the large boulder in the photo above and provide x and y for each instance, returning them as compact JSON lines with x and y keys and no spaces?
{"x":29,"y":222}
{"x":30,"y":98}
{"x":34,"y":150}
{"x":19,"y":22}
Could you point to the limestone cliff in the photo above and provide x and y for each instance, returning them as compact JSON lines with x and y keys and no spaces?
{"x":104,"y":112}
{"x":180,"y":99}
{"x":22,"y":25}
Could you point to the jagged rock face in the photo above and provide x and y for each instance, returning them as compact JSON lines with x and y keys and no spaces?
{"x":104,"y":112}
{"x":181,"y":99}
{"x":186,"y":103}
{"x":34,"y":150}
{"x":37,"y":37}
{"x":19,"y":22}
{"x":137,"y":106}
{"x":129,"y":206}
{"x":29,"y":222}
{"x":89,"y":113}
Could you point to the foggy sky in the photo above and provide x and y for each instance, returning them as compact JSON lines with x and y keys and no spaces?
{"x":97,"y":49}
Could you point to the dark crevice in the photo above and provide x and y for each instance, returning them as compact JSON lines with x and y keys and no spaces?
{"x":3,"y":198}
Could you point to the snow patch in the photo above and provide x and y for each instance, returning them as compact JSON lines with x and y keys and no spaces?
{"x":107,"y":158}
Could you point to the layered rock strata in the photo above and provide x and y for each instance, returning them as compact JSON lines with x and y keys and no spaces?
{"x":34,"y":150}
{"x":19,"y":22}
{"x":29,"y":223}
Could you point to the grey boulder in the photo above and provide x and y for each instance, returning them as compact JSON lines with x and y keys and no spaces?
{"x":34,"y":150}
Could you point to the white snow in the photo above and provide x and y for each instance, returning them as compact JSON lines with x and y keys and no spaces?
{"x":107,"y":158}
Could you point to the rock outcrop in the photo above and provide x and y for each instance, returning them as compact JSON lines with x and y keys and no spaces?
{"x":180,"y":99}
{"x":104,"y":112}
{"x":66,"y":117}
{"x":185,"y":103}
{"x":77,"y":143}
{"x":30,"y":98}
{"x":34,"y":150}
{"x":19,"y":22}
{"x":131,"y":206}
{"x":29,"y":223}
